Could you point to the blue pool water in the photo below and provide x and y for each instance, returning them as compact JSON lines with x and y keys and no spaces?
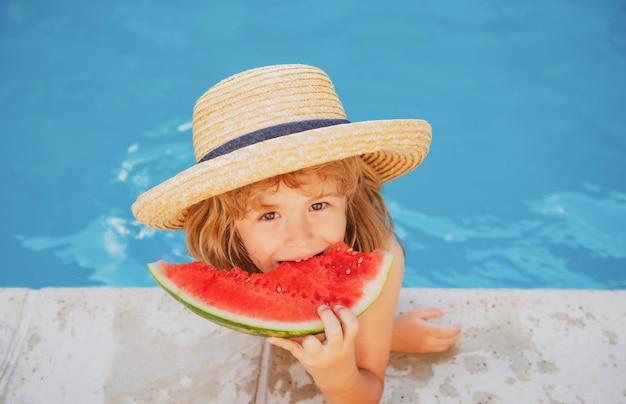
{"x":525,"y":185}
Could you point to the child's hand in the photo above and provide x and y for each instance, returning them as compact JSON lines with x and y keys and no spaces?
{"x":331,"y":361}
{"x":413,"y":334}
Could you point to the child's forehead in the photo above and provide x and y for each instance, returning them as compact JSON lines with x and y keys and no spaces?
{"x":322,"y":181}
{"x":309,"y":184}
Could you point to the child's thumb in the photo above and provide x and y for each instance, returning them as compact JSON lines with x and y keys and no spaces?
{"x":430,"y":312}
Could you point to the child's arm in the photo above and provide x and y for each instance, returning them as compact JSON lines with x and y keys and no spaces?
{"x":350,"y":365}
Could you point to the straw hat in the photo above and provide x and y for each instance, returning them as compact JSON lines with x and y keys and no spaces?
{"x":269,"y":121}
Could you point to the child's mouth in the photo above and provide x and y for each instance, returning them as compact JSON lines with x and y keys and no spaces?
{"x":303,"y":259}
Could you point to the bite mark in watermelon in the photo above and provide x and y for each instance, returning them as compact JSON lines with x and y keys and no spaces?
{"x":283,"y":302}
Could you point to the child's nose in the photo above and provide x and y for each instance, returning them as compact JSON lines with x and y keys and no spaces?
{"x":299,"y":231}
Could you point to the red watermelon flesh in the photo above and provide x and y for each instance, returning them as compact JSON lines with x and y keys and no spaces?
{"x":283,"y":302}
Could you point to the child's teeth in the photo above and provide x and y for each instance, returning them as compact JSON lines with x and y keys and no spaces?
{"x":302,"y":259}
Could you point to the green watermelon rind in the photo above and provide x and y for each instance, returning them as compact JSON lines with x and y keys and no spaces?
{"x":264,"y":327}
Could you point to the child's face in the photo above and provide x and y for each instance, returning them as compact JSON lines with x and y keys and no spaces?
{"x":293,"y":224}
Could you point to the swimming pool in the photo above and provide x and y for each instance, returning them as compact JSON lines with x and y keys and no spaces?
{"x":525,"y":184}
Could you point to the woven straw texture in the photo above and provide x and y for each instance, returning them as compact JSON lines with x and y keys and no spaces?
{"x":265,"y":97}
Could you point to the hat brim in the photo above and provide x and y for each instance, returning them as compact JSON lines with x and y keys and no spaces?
{"x":391,"y":147}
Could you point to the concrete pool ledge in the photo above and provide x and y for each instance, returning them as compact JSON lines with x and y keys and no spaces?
{"x":138,"y":345}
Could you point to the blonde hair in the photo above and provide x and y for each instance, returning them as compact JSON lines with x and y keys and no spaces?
{"x":210,"y":224}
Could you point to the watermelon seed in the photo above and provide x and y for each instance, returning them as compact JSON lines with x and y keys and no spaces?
{"x":347,"y":271}
{"x":278,"y":289}
{"x":360,"y":260}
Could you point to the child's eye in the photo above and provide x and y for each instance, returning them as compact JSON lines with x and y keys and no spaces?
{"x":269,"y":216}
{"x":318,"y":206}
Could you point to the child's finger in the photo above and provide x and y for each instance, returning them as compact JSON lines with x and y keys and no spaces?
{"x":444,"y":344}
{"x":349,"y":321}
{"x":311,"y":346}
{"x":332,"y":326}
{"x":291,"y":346}
{"x":430,"y":312}
{"x":443,"y":331}
{"x":447,"y":338}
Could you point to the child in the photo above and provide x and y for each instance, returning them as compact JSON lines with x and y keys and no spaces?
{"x":281,"y":175}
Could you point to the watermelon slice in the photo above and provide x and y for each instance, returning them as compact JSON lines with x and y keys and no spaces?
{"x":283,"y":302}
